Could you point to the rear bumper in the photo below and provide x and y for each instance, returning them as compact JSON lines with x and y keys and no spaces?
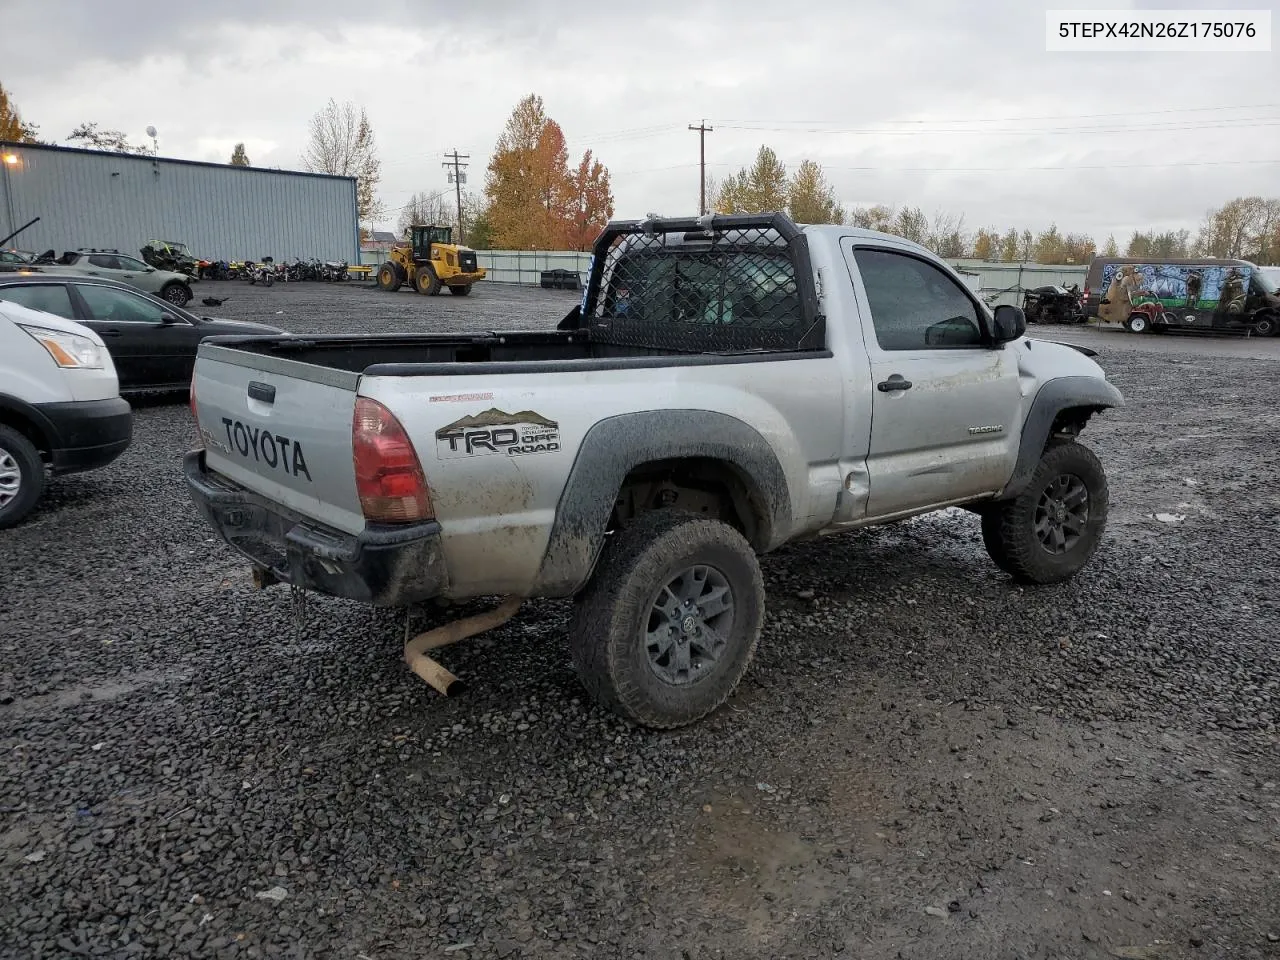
{"x":383,"y":565}
{"x":87,"y":434}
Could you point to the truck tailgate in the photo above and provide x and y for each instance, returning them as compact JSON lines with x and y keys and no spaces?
{"x":281,"y":429}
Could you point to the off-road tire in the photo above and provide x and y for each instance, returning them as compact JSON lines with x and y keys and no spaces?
{"x":17,"y":452}
{"x":426,"y":281}
{"x":607,"y":637}
{"x":389,"y":278}
{"x":1009,"y":528}
{"x":1138,"y":323}
{"x":461,"y":290}
{"x":1266,"y":325}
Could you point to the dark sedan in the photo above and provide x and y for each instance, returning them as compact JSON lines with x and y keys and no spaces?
{"x":153,"y":343}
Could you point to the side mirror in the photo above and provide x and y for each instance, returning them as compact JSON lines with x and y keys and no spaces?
{"x":168,"y":319}
{"x":1010,"y":323}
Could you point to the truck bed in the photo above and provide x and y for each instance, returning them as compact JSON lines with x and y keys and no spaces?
{"x":451,"y":353}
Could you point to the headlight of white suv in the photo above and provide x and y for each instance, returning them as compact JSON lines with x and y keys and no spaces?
{"x":67,"y":349}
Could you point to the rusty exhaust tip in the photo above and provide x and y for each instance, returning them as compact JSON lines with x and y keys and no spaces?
{"x":438,"y":676}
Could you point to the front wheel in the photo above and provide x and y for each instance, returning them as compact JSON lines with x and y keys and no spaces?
{"x":1137,"y":323}
{"x":1049,"y":531}
{"x":669,"y":621}
{"x":388,"y":277}
{"x":426,"y":281}
{"x":461,"y":290}
{"x":1265,"y":326}
{"x":178,"y":294}
{"x":21,"y":476}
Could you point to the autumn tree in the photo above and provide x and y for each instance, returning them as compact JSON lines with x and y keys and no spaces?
{"x":759,"y":188}
{"x":91,"y":135}
{"x":986,"y":244}
{"x":341,"y":143}
{"x":440,"y":208}
{"x":425,"y":208}
{"x":1109,"y":249}
{"x":238,"y":157}
{"x":1161,"y":245}
{"x":946,"y":235}
{"x":877,"y":217}
{"x":590,"y":203}
{"x":527,"y":185}
{"x":1078,"y":248}
{"x":1010,"y":244}
{"x":910,"y":223}
{"x":533,"y":198}
{"x":1026,"y":246}
{"x":12,"y":127}
{"x":810,"y":199}
{"x":1246,"y":227}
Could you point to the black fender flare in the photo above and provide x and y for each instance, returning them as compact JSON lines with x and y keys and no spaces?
{"x":615,"y":446}
{"x":47,"y":438}
{"x":1053,"y":397}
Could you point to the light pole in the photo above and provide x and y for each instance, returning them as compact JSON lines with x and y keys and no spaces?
{"x":155,"y":144}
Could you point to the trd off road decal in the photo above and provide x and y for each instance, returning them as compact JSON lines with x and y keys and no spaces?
{"x":498,"y":432}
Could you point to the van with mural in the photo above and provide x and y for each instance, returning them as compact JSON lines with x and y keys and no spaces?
{"x":1153,"y":295}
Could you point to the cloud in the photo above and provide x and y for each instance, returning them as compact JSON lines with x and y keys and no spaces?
{"x":923,"y":102}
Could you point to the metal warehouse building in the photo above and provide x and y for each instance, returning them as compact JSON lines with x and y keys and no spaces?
{"x":91,"y":198}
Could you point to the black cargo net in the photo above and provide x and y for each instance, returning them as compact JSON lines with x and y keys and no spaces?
{"x":668,"y":292}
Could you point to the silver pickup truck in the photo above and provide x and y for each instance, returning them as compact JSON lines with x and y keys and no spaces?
{"x":726,"y":385}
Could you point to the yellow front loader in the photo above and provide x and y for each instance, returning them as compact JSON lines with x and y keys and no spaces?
{"x":429,"y":260}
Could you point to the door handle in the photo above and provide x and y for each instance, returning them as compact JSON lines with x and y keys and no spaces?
{"x":895,"y":382}
{"x":110,"y":333}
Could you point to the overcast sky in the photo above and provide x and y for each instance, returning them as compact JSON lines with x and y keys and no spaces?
{"x":944,"y":105}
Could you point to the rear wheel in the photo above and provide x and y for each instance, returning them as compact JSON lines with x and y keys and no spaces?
{"x":668,"y":623}
{"x":1137,"y":323}
{"x":389,"y":277}
{"x":461,"y":290}
{"x":21,"y":476}
{"x":1265,"y":326}
{"x":1052,"y":528}
{"x":426,"y":281}
{"x":179,"y":294}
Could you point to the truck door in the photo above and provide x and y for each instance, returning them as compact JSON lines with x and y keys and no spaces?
{"x":945,"y":404}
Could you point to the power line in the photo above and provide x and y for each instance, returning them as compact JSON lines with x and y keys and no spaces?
{"x":896,"y":169}
{"x":1238,"y":123}
{"x":1080,"y":116}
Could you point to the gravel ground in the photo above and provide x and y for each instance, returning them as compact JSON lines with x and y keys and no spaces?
{"x":926,"y":761}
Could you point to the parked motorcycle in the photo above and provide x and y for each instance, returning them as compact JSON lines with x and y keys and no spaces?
{"x":263,"y":272}
{"x":335,"y":271}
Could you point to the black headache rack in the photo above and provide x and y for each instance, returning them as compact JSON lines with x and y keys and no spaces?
{"x":715,"y":284}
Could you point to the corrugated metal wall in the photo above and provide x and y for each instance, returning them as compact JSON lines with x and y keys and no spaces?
{"x":92,"y":199}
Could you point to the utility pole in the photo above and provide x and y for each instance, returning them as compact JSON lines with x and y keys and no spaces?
{"x":457,"y":178}
{"x":703,"y":130}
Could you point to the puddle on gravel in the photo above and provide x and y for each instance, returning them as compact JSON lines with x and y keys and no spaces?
{"x":91,"y":691}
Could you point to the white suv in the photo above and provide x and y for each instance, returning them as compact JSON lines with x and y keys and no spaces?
{"x":60,"y":405}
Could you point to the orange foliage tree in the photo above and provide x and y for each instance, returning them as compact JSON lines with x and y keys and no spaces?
{"x":534,"y":200}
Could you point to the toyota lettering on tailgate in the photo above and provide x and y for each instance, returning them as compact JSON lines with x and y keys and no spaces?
{"x":276,"y":451}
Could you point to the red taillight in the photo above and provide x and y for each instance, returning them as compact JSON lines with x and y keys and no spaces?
{"x":1086,"y":293}
{"x":389,"y":477}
